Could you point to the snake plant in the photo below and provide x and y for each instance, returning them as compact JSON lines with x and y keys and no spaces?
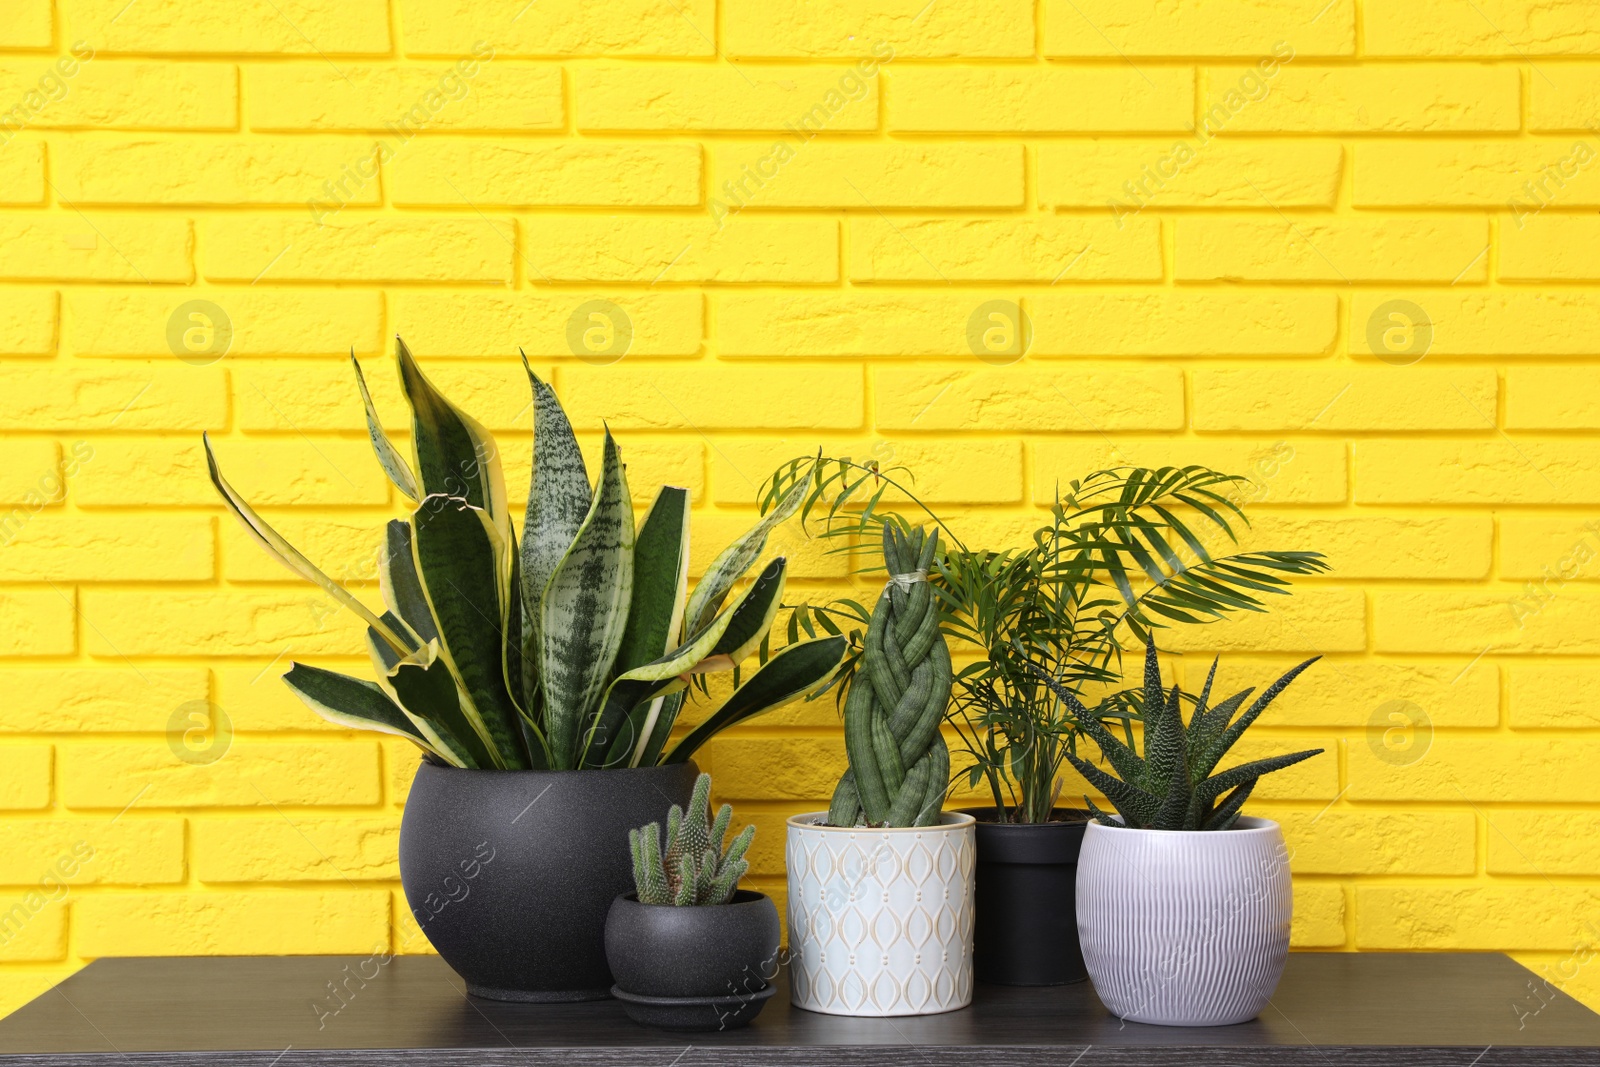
{"x":899,"y":764}
{"x":696,"y":869}
{"x":572,"y":650}
{"x":1172,"y":787}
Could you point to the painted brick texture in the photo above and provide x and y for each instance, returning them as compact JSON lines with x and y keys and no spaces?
{"x":1344,"y":249}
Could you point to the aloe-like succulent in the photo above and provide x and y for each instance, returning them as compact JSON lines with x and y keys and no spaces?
{"x":899,"y":764}
{"x":573,"y":650}
{"x":695,"y":869}
{"x":1172,"y":786}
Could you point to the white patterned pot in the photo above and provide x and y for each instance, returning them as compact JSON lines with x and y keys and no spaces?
{"x":1185,"y":928}
{"x":880,"y":921}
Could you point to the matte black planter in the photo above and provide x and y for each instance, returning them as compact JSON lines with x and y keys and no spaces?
{"x":693,"y":968}
{"x":510,"y":873}
{"x":1026,"y":927}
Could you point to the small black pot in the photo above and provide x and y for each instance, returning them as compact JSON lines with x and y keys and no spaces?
{"x":694,"y":967}
{"x":1026,"y":923}
{"x":510,"y":873}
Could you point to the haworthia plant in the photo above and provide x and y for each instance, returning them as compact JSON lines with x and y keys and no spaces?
{"x":695,"y":869}
{"x":574,"y":649}
{"x":1172,"y":787}
{"x":899,"y":764}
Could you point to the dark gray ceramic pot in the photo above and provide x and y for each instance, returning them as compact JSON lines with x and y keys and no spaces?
{"x":713,"y":964}
{"x":1025,"y":931}
{"x":510,"y":874}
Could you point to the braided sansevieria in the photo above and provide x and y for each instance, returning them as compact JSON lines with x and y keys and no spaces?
{"x":899,"y":765}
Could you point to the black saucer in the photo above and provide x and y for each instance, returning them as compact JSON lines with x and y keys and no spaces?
{"x":695,"y":1013}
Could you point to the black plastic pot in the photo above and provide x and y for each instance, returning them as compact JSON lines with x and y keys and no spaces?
{"x":1026,"y":922}
{"x":693,"y":968}
{"x":510,"y":874}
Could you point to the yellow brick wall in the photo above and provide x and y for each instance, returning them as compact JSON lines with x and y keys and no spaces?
{"x":1211,"y":213}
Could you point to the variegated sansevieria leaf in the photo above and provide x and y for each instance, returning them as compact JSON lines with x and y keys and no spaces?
{"x":648,"y":727}
{"x":389,"y":458}
{"x":791,"y":673}
{"x":660,"y":581}
{"x":353,"y":703}
{"x":584,"y":613}
{"x":458,"y":561}
{"x":660,"y":593}
{"x":733,"y":633}
{"x":426,"y":691}
{"x":558,"y":494}
{"x":264,"y":535}
{"x":455,"y":456}
{"x":397,"y":579}
{"x":737,"y":558}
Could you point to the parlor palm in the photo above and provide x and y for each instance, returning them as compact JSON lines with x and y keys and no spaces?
{"x":1125,"y":552}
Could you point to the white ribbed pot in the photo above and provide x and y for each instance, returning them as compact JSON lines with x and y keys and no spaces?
{"x":1185,"y":928}
{"x":880,"y":921}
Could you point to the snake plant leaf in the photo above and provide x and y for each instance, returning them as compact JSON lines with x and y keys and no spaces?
{"x":660,"y":581}
{"x":454,"y":547}
{"x":426,"y":691}
{"x":733,"y":561}
{"x":729,"y":639}
{"x":520,"y":675}
{"x":353,"y":703}
{"x":285,"y":553}
{"x":558,"y":495}
{"x":397,"y":578}
{"x":792,"y":672}
{"x":389,"y":458}
{"x":584,"y":614}
{"x":455,"y":456}
{"x":642,"y":736}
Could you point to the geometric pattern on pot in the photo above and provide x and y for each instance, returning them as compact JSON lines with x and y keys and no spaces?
{"x":1185,"y":928}
{"x":880,"y":921}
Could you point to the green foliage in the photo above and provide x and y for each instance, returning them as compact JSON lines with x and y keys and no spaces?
{"x":1172,"y":787}
{"x":695,"y":869}
{"x":899,"y":764}
{"x":576,"y":651}
{"x":1124,"y":553}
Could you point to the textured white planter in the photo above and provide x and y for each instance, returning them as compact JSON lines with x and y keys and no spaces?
{"x":1185,"y":928}
{"x":880,"y":921}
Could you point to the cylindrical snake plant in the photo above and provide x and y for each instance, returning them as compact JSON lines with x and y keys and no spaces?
{"x":572,"y":651}
{"x":899,"y":765}
{"x":695,"y":869}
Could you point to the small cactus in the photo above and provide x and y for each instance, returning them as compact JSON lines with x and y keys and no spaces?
{"x":695,"y":868}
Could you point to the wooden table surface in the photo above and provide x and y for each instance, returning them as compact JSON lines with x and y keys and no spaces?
{"x":1466,"y":1010}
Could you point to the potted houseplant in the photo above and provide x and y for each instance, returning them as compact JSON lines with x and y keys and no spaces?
{"x":1183,"y":903}
{"x":880,"y":884}
{"x":691,"y":950}
{"x":541,"y":681}
{"x":1099,"y":574}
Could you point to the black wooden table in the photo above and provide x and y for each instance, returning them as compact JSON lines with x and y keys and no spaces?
{"x":1478,"y":1010}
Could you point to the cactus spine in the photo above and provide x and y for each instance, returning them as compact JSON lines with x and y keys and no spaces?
{"x":899,"y":765}
{"x":695,"y":869}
